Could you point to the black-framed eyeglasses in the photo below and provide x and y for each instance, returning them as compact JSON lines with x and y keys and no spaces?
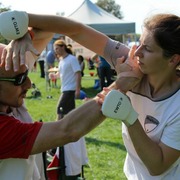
{"x":17,"y":80}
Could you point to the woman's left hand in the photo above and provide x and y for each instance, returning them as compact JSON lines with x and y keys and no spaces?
{"x":14,"y":54}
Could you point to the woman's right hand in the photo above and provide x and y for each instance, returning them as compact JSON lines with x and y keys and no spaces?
{"x":128,"y":72}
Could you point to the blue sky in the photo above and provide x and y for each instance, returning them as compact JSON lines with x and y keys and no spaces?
{"x":132,"y":10}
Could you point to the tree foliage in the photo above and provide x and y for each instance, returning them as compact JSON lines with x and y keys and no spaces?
{"x":111,"y":7}
{"x":2,"y":9}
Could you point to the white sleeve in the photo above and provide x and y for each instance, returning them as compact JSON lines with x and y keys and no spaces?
{"x":113,"y":50}
{"x":171,"y":134}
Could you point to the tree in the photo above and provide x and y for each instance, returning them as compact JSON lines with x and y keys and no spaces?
{"x":111,"y":7}
{"x":2,"y":9}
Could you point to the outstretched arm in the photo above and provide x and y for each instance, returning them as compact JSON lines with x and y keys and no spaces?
{"x":81,"y":33}
{"x":74,"y":125}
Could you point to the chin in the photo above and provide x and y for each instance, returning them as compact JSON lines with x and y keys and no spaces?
{"x":16,"y":106}
{"x":20,"y":103}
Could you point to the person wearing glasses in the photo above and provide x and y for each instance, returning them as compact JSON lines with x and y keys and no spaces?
{"x":17,"y":167}
{"x":152,"y":140}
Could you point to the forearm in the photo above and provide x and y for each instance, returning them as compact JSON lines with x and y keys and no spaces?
{"x":78,"y":81}
{"x":41,"y":38}
{"x":80,"y":33}
{"x":53,"y":23}
{"x":84,"y":118}
{"x":74,"y":125}
{"x":148,"y":151}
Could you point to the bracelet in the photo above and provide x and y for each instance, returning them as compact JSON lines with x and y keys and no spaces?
{"x":31,"y":33}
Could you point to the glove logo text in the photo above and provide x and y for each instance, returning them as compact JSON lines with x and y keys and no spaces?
{"x":15,"y":25}
{"x":118,"y":105}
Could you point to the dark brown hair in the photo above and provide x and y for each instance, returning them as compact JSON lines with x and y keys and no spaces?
{"x":166,"y":32}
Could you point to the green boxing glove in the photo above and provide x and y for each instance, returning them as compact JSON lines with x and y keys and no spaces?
{"x":117,"y":106}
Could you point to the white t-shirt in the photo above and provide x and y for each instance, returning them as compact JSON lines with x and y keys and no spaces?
{"x":67,"y":68}
{"x":160,"y":120}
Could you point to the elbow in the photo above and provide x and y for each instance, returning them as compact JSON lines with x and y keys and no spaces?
{"x":73,"y":136}
{"x":153,"y":173}
{"x":157,"y":171}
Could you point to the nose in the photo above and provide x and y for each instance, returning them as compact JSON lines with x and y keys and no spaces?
{"x":138,"y":51}
{"x":27,"y":83}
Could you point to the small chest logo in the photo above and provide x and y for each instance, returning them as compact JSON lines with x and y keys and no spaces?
{"x":150,"y":123}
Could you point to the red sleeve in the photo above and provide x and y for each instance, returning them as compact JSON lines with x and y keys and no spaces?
{"x":16,"y":137}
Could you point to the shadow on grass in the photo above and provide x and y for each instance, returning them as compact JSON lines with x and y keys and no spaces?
{"x":99,"y":143}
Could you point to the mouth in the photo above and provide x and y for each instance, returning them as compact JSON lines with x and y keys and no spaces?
{"x":23,"y":95}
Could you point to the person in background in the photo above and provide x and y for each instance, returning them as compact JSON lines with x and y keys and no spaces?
{"x":104,"y":71}
{"x":41,"y":61}
{"x":69,"y":46}
{"x":50,"y":59}
{"x":90,"y":64}
{"x":82,"y":64}
{"x":50,"y":63}
{"x":70,"y":75}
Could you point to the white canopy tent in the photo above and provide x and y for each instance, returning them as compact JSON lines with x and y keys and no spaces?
{"x":94,"y":16}
{"x":97,"y":18}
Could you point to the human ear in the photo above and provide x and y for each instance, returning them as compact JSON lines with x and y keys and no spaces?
{"x":175,"y":60}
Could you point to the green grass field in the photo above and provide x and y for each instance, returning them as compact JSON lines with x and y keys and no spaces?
{"x":106,"y":151}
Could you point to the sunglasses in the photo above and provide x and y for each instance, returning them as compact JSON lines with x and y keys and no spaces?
{"x":17,"y":80}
